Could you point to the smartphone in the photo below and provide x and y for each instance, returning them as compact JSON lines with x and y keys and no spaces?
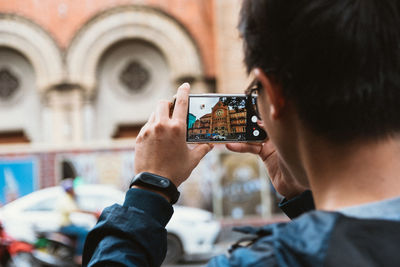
{"x":217,"y":118}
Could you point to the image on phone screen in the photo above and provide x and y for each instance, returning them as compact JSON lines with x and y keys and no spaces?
{"x":222,"y":118}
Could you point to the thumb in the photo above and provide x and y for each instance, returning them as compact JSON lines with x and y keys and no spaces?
{"x":199,"y":152}
{"x":245,"y":147}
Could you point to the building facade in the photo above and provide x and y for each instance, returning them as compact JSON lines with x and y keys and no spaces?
{"x":85,"y":71}
{"x":79,"y":78}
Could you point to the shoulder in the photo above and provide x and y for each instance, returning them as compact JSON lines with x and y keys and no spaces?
{"x":301,"y":242}
{"x":321,"y":239}
{"x":305,"y":238}
{"x":364,"y":242}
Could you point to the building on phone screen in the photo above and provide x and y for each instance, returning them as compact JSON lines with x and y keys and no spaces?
{"x":221,"y":123}
{"x":191,"y":120}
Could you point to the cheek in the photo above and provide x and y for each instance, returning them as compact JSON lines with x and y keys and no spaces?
{"x":263,"y":106}
{"x":264,"y":109}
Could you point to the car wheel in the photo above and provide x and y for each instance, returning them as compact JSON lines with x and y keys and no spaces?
{"x":174,"y":251}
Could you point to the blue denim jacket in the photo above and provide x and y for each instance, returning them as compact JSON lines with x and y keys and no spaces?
{"x":134,"y":235}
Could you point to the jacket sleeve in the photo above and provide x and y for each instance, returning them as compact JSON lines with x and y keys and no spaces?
{"x":298,"y":205}
{"x":133,"y":234}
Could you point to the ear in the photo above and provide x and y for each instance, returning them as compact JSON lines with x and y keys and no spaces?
{"x":273,"y":92}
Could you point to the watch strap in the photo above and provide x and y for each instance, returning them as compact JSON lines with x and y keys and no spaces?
{"x":157,"y":183}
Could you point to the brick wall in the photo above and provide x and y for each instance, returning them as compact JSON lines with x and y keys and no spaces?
{"x":231,"y":77}
{"x":63,"y":18}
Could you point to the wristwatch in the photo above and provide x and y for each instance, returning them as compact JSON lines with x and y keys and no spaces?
{"x":157,"y":183}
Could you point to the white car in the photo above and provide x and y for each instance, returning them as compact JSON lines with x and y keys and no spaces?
{"x":191,"y":232}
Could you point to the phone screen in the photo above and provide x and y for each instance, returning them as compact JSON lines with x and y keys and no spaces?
{"x":222,"y":118}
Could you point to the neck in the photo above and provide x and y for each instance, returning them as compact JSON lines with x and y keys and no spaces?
{"x":353,"y":174}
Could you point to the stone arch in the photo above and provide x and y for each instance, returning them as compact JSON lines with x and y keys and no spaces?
{"x":133,"y":75}
{"x":36,"y":45}
{"x":18,"y":97}
{"x":133,"y":22}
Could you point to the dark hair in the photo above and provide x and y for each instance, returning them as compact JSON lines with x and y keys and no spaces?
{"x":337,"y":60}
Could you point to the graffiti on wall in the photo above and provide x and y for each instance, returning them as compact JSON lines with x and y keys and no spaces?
{"x":17,"y":178}
{"x":102,"y":167}
{"x":229,"y":184}
{"x":242,"y":185}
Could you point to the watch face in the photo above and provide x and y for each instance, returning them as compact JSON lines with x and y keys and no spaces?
{"x":156,"y":181}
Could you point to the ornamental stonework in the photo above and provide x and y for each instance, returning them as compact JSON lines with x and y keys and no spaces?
{"x":9,"y":84}
{"x":135,"y":77}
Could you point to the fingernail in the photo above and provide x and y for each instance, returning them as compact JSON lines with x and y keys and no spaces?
{"x":186,"y":85}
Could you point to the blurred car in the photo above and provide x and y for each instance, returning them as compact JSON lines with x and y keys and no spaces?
{"x":191,"y":232}
{"x":219,"y":137}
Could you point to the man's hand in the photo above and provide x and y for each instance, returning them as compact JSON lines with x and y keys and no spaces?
{"x":161,"y":144}
{"x":280,"y":176}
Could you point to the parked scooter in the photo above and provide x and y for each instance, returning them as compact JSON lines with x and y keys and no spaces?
{"x":55,"y":249}
{"x":14,"y":253}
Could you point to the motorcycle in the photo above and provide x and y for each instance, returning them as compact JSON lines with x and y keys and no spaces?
{"x":55,"y":249}
{"x":14,"y":253}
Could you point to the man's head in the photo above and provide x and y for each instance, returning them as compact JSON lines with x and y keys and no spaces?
{"x":337,"y":61}
{"x":68,"y":186}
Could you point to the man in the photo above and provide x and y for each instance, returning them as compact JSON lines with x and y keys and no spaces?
{"x":328,"y":87}
{"x":67,"y":205}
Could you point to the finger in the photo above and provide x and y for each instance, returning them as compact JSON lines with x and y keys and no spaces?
{"x":181,"y":104}
{"x":245,"y":148}
{"x":150,"y":121}
{"x":152,"y":118}
{"x":261,"y":124}
{"x":142,"y":130}
{"x":199,"y":151}
{"x":162,"y":111}
{"x":172,"y":106}
{"x":267,"y":150}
